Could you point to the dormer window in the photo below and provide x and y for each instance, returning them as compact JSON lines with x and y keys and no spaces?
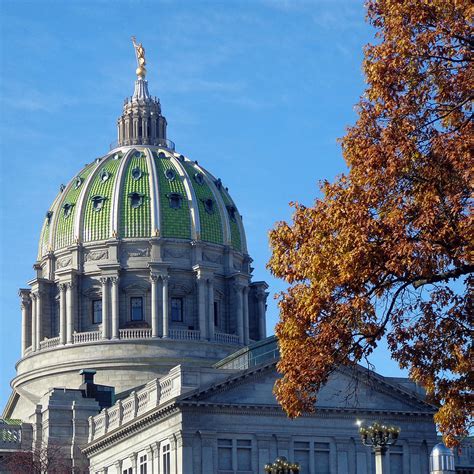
{"x":67,"y":209}
{"x":175,"y":200}
{"x":98,"y":202}
{"x":78,"y":182}
{"x":136,"y":173}
{"x":136,"y":199}
{"x":218,"y":183}
{"x":232,"y":212}
{"x":137,"y":154}
{"x":104,"y":176}
{"x":161,"y":154}
{"x":49,"y":215}
{"x":208,"y":205}
{"x":170,"y":174}
{"x":199,"y":178}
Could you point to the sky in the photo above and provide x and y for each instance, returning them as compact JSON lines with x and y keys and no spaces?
{"x":258,"y":92}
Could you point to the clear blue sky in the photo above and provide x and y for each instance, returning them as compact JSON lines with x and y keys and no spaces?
{"x":257,"y":91}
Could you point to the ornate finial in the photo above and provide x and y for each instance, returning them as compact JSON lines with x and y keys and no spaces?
{"x":140,"y":55}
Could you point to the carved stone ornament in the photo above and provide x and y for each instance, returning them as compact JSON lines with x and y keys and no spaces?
{"x":136,"y":252}
{"x":64,"y":262}
{"x":176,"y":253}
{"x":94,"y":255}
{"x":207,"y":257}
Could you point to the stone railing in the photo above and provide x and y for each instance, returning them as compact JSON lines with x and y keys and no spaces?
{"x":10,"y":436}
{"x":89,"y":336}
{"x":178,"y":381}
{"x":135,"y":333}
{"x":48,"y":343}
{"x":226,"y":338}
{"x":185,"y":334}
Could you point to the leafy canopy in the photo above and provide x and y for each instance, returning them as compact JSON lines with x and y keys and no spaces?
{"x":388,"y":249}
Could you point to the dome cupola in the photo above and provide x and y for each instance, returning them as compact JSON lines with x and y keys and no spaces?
{"x":142,"y":265}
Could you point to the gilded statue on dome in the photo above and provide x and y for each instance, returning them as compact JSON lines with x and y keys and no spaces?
{"x":140,"y":55}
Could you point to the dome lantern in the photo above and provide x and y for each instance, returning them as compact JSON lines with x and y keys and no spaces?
{"x":141,"y":122}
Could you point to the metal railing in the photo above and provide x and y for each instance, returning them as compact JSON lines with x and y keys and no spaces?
{"x":162,"y":142}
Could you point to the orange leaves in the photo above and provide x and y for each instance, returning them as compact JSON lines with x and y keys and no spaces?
{"x":379,"y":252}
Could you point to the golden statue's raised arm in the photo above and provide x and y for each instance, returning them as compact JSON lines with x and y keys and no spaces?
{"x":140,"y":55}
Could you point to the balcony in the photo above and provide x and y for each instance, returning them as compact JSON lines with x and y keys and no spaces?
{"x":137,"y":334}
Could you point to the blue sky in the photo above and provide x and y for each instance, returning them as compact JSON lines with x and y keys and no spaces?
{"x":257,"y":91}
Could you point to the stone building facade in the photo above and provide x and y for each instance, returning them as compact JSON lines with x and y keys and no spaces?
{"x":144,"y":344}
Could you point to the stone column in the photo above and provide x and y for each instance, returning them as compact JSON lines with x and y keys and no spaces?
{"x":39,"y":320}
{"x":261,"y":299}
{"x":33,"y":322}
{"x":201,"y":283}
{"x":105,"y":307}
{"x":62,"y":314}
{"x":153,"y":129}
{"x":69,"y":312}
{"x":154,"y":306}
{"x":133,"y":459}
{"x":238,"y":288}
{"x":115,"y":308}
{"x":246,"y":314}
{"x":211,"y":310}
{"x":164,"y":280}
{"x":25,"y":310}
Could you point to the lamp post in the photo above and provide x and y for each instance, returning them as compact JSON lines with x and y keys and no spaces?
{"x":281,"y":465}
{"x":379,"y":437}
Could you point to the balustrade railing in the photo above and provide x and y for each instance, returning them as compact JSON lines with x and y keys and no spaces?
{"x":226,"y":338}
{"x":10,"y":435}
{"x":89,"y":336}
{"x":185,"y":334}
{"x":48,"y":343}
{"x":163,"y":142}
{"x":135,"y":333}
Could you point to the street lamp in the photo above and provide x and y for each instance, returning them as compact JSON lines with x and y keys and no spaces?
{"x":281,"y":465}
{"x":379,"y":437}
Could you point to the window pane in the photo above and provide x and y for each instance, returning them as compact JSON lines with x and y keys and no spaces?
{"x":224,"y":442}
{"x":224,"y":458}
{"x":136,"y":305}
{"x":302,"y":458}
{"x":177,"y":309}
{"x":97,"y":311}
{"x":301,"y":445}
{"x":216,"y":313}
{"x":321,"y":461}
{"x":244,"y":442}
{"x":244,"y":459}
{"x":396,"y":463}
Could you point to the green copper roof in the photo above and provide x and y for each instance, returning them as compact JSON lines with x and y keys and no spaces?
{"x":175,"y":222}
{"x":97,"y":216}
{"x":135,"y":209}
{"x":211,"y":224}
{"x":65,"y":218}
{"x":142,"y":192}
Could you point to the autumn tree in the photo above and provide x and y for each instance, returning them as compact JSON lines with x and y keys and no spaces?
{"x":388,"y":249}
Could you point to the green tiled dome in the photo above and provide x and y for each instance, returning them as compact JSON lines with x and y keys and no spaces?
{"x":141,"y":192}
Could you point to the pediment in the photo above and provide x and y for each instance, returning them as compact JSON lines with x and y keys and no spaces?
{"x":346,"y":389}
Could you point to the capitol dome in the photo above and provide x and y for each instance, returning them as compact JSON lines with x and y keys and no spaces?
{"x":142,"y":265}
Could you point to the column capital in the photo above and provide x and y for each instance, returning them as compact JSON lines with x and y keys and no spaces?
{"x":104,"y":280}
{"x":62,"y":286}
{"x":238,"y":286}
{"x":114,"y":280}
{"x":153,"y":278}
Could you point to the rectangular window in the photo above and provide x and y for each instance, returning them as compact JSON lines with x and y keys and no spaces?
{"x":128,"y":471}
{"x":142,"y":464}
{"x":301,"y":450}
{"x":224,"y":454}
{"x":136,"y":308}
{"x":177,"y":309}
{"x":244,"y":455}
{"x":234,"y":456}
{"x":96,"y":311}
{"x":216,"y":313}
{"x":166,"y":459}
{"x":321,"y":458}
{"x":396,"y":460}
